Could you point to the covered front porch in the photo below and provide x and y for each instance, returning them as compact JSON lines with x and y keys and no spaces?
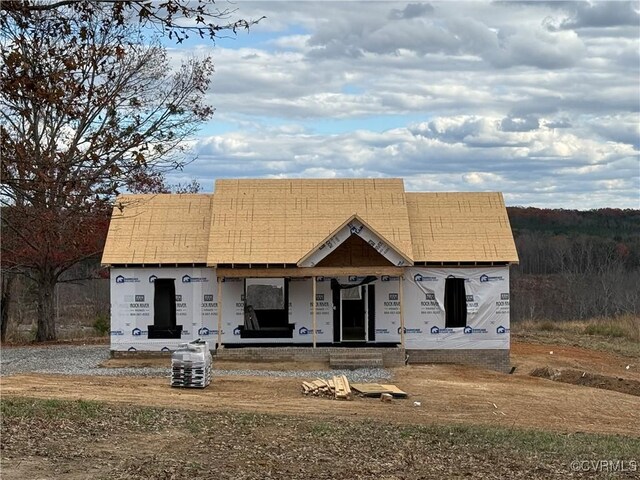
{"x":315,"y":306}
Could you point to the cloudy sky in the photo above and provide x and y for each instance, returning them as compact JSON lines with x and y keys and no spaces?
{"x":538,"y":100}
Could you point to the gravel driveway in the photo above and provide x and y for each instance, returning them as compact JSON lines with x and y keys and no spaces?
{"x":85,"y":360}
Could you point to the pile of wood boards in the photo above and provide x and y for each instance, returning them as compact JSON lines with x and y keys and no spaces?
{"x":337,"y":387}
{"x":378,"y":390}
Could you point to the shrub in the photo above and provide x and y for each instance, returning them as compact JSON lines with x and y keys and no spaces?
{"x":102,"y":325}
{"x":605,"y":330}
{"x":548,"y":326}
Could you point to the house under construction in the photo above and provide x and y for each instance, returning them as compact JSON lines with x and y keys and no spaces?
{"x":303,"y":268}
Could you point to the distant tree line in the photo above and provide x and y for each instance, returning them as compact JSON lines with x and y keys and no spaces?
{"x":575,"y":264}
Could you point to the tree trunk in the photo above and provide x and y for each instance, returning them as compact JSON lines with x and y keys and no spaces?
{"x":7,"y":281}
{"x":46,"y":310}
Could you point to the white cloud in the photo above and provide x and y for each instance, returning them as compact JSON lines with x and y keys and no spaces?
{"x":537,"y":99}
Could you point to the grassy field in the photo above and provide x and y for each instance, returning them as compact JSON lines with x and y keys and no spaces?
{"x":619,"y":335}
{"x":85,"y":439}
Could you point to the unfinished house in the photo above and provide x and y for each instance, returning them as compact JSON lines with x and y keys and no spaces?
{"x":314,"y":269}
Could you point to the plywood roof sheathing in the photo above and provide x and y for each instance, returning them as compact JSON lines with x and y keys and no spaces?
{"x":280,"y":221}
{"x":460,"y":227}
{"x":159,"y":229}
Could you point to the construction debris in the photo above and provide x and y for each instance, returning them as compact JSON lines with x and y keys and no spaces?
{"x":191,"y":365}
{"x":386,"y":397}
{"x":376,"y":390}
{"x":338,"y":387}
{"x":342,"y":388}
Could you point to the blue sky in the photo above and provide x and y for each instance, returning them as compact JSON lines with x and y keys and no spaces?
{"x":538,"y":100}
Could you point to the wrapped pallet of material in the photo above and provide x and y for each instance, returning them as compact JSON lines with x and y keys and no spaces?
{"x":191,"y":365}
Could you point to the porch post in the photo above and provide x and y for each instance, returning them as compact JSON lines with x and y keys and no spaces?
{"x":219,"y":341}
{"x":313,"y":314}
{"x":400,"y":298}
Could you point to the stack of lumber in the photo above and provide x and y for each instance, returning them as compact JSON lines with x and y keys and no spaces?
{"x":191,"y":365}
{"x":337,"y":387}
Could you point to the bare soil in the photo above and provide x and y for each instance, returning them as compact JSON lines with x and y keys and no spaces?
{"x":449,"y":394}
{"x":264,"y":427}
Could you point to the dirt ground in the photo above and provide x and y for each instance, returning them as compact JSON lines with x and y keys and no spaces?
{"x":447,"y":393}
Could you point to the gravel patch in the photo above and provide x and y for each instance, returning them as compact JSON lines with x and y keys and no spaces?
{"x":67,"y":360}
{"x":85,"y":360}
{"x":359,"y":375}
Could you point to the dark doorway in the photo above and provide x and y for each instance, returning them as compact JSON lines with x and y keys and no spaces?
{"x":164,"y":310}
{"x":353,"y":313}
{"x":455,"y":303}
{"x":371,"y":312}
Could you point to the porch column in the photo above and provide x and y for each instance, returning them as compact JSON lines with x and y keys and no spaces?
{"x":400,"y":296}
{"x":313,"y":311}
{"x":219,"y":341}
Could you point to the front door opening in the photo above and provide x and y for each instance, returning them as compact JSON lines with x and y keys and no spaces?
{"x":353,"y":313}
{"x":164,"y":310}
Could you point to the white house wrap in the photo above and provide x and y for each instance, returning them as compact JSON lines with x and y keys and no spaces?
{"x":425,"y":272}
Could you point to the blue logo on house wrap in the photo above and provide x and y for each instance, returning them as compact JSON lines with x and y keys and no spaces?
{"x":136,"y":332}
{"x":165,"y":349}
{"x":486,"y":278}
{"x":418,"y":277}
{"x":501,"y":330}
{"x":122,"y":279}
{"x":190,"y":279}
{"x":132,"y":349}
{"x":410,"y":330}
{"x":152,"y":278}
{"x":308,"y":331}
{"x":204,"y":331}
{"x":355,"y":229}
{"x":236,"y":331}
{"x":435,"y":330}
{"x":469,"y":330}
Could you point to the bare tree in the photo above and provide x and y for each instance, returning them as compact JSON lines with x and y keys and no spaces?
{"x":178,"y":19}
{"x":86,"y":109}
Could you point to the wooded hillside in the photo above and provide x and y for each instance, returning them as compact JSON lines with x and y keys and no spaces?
{"x":575,"y":264}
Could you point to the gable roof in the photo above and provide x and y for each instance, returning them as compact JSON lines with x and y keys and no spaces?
{"x":460,"y":227}
{"x":354,"y":225}
{"x":155,"y":229}
{"x":284,"y":221}
{"x":279,"y":221}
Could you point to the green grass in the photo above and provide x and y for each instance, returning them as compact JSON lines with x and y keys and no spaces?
{"x":322,"y":429}
{"x":51,"y":409}
{"x":605,"y":330}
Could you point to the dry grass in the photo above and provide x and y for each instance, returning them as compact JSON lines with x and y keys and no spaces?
{"x":88,"y":439}
{"x":617,"y":334}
